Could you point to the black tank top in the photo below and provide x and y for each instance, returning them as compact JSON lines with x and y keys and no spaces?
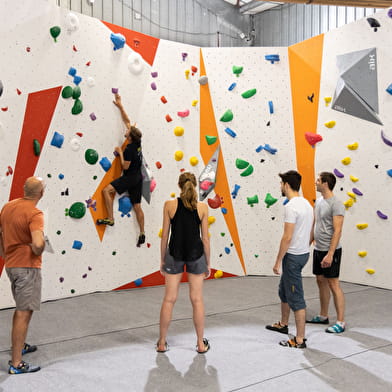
{"x":185,"y":243}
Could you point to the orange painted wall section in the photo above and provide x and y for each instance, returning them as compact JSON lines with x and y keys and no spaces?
{"x":305,"y":60}
{"x":208,"y":127}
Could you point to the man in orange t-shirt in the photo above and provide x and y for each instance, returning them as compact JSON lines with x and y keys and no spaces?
{"x":21,"y":245}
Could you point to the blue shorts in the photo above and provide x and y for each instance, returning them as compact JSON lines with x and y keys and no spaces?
{"x":290,"y":286}
{"x":173,"y":267}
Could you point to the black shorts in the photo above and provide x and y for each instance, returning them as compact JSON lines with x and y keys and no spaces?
{"x":333,"y":270}
{"x":174,"y":267}
{"x":131,"y":184}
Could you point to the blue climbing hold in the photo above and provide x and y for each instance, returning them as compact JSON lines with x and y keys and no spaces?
{"x":224,"y":210}
{"x":72,"y":71}
{"x":230,"y":132}
{"x":234,"y":193}
{"x":271,"y":107}
{"x":124,"y":206}
{"x":57,"y":140}
{"x":232,"y":86}
{"x":77,"y":245}
{"x":272,"y":58}
{"x":105,"y":163}
{"x":227,"y":250}
{"x":118,"y":40}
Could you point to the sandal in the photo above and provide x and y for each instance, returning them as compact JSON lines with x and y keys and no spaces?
{"x":161,"y":351}
{"x":206,"y":346}
{"x":278,"y":327}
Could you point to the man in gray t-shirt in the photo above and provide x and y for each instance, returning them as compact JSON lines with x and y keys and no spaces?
{"x":328,"y":223}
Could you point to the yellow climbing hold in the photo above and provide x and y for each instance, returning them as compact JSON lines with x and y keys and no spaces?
{"x":187,"y":72}
{"x":370,"y":271}
{"x":353,"y":146}
{"x":179,"y":131}
{"x":218,"y":274}
{"x":330,"y":124}
{"x":172,"y":194}
{"x":352,"y":195}
{"x":346,"y":161}
{"x":193,"y":161}
{"x":354,"y":179}
{"x":362,"y":226}
{"x":327,"y":100}
{"x":178,"y":155}
{"x":362,"y":253}
{"x":211,"y":220}
{"x":160,"y":233}
{"x":348,"y":203}
{"x":194,"y":102}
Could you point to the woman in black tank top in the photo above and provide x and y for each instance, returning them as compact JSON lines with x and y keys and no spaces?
{"x":187,"y":222}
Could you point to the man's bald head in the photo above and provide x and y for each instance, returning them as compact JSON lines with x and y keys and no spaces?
{"x":33,"y":188}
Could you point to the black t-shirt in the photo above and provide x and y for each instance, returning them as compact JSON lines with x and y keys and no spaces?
{"x":133,"y":153}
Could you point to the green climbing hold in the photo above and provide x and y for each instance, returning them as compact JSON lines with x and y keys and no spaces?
{"x":77,"y":210}
{"x":211,"y":140}
{"x":58,"y":232}
{"x":227,"y":116}
{"x":55,"y":32}
{"x":67,"y":92}
{"x":237,"y":70}
{"x":91,"y":156}
{"x":247,"y":172}
{"x":269,"y":200}
{"x":36,"y":147}
{"x":256,"y":256}
{"x":72,"y":291}
{"x":77,"y":107}
{"x":63,"y":252}
{"x":76,"y":92}
{"x":95,"y":177}
{"x":241,"y":164}
{"x":249,"y":93}
{"x":253,"y":200}
{"x":114,"y":253}
{"x":49,"y":175}
{"x":223,"y":234}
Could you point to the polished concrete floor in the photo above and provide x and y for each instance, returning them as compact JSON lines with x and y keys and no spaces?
{"x":105,"y":342}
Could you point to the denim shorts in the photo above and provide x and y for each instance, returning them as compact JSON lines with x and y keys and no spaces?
{"x":290,"y":286}
{"x":173,"y":267}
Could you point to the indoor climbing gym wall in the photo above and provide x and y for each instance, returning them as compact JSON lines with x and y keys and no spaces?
{"x":236,"y":117}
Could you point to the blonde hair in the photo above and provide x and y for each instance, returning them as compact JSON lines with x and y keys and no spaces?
{"x":187,"y":183}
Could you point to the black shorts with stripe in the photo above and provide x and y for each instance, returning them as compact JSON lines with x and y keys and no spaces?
{"x":330,"y":272}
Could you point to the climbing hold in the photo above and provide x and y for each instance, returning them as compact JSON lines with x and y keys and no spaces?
{"x":227,"y":116}
{"x":241,"y":164}
{"x":362,"y":253}
{"x":227,"y":250}
{"x":348,"y":203}
{"x":272,"y":58}
{"x":330,"y":124}
{"x":354,"y":179}
{"x":327,"y":100}
{"x":93,"y":116}
{"x":184,"y":113}
{"x":338,"y":173}
{"x":370,"y":271}
{"x":193,"y":69}
{"x":193,"y":161}
{"x":381,"y":215}
{"x":247,"y":172}
{"x":76,"y":92}
{"x":269,"y":200}
{"x":57,"y":140}
{"x":357,"y":192}
{"x":194,"y":102}
{"x":36,"y":147}
{"x":237,"y":70}
{"x":234,"y":193}
{"x":124,"y":206}
{"x":77,"y":79}
{"x":77,"y":107}
{"x":72,"y":71}
{"x":168,"y":118}
{"x":71,"y":22}
{"x":75,"y":144}
{"x":67,"y":92}
{"x":160,"y":233}
{"x":216,"y":202}
{"x":211,"y":220}
{"x":203,"y":80}
{"x":389,"y":172}
{"x":386,"y":140}
{"x":249,"y":93}
{"x":158,"y":165}
{"x":90,"y":203}
{"x":346,"y":161}
{"x":138,"y":282}
{"x":224,"y":210}
{"x":61,"y":176}
{"x":1,"y":88}
{"x":178,"y":155}
{"x":187,"y":72}
{"x":352,"y":146}
{"x":154,"y":74}
{"x":362,"y":226}
{"x":55,"y":32}
{"x":374,"y":23}
{"x":313,"y":138}
{"x":105,"y":164}
{"x":77,"y":245}
{"x":77,"y":210}
{"x":269,"y":149}
{"x":91,"y":156}
{"x":232,"y":86}
{"x":153,"y":185}
{"x":163,"y":99}
{"x":253,"y":200}
{"x":311,"y":97}
{"x":211,"y":139}
{"x":388,"y":89}
{"x":90,"y":81}
{"x":153,"y":86}
{"x":114,"y":90}
{"x":184,"y":56}
{"x":205,"y":185}
{"x":178,"y":131}
{"x":352,"y":195}
{"x":135,"y":63}
{"x":271,"y":107}
{"x":218,"y":274}
{"x":118,"y":40}
{"x":230,"y":132}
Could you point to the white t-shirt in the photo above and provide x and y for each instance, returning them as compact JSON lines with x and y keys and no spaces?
{"x":299,"y":211}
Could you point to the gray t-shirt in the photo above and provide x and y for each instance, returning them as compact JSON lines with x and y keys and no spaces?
{"x":325,"y":210}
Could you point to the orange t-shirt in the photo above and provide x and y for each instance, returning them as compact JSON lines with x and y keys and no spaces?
{"x":18,"y":219}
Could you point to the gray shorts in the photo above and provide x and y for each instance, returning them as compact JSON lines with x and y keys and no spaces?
{"x":26,"y":287}
{"x":290,"y":286}
{"x":174,"y":267}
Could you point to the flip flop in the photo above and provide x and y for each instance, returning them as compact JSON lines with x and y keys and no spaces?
{"x":162,"y":351}
{"x":206,"y":347}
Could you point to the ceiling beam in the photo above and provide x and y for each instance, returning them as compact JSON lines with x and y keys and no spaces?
{"x":347,"y":3}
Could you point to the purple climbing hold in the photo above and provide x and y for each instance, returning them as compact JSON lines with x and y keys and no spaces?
{"x":357,"y":192}
{"x":338,"y":173}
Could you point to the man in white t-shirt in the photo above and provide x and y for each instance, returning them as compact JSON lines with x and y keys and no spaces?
{"x":292,"y":256}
